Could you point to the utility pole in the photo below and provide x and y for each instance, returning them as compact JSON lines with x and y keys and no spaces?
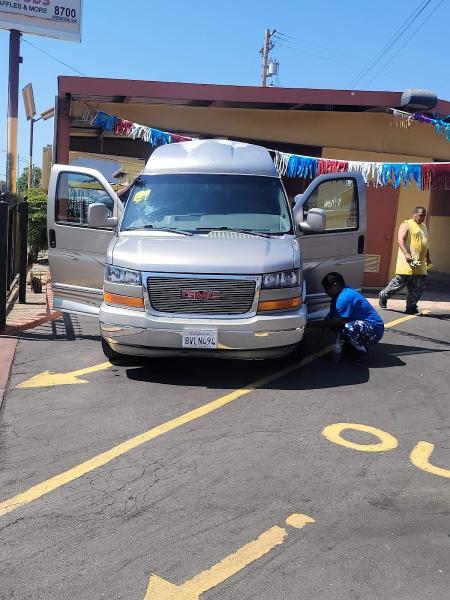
{"x":268,"y":45}
{"x":13,"y":105}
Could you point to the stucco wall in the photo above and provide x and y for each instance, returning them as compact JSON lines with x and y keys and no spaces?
{"x":440,"y":243}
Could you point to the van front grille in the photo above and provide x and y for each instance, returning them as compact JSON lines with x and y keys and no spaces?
{"x":202,"y":296}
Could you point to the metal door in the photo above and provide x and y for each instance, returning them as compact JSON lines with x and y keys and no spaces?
{"x":340,"y":247}
{"x":382,"y":204}
{"x":77,"y":252}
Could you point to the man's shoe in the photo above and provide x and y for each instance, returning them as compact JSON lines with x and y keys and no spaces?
{"x":360,"y":349}
{"x":412,"y":311}
{"x":382,"y":301}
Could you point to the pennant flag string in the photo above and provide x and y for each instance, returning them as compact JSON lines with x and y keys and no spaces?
{"x":441,"y":125}
{"x":122,"y":127}
{"x":426,"y":176}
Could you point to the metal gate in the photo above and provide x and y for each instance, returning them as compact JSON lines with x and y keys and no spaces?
{"x":13,"y":249}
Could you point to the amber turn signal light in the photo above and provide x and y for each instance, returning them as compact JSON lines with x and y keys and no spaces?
{"x":123,"y":300}
{"x":284,"y":304}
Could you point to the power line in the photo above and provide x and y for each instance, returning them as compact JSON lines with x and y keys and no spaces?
{"x":407,"y":41}
{"x":326,"y":54}
{"x":54,"y":58}
{"x":299,"y":43}
{"x":296,"y":40}
{"x":308,"y":52}
{"x":368,"y":67}
{"x":345,"y":60}
{"x":390,"y":43}
{"x":323,"y":52}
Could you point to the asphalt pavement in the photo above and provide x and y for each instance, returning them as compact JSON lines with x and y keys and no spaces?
{"x":292,"y":479}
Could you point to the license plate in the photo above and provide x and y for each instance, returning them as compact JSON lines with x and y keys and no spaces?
{"x":200,"y":338}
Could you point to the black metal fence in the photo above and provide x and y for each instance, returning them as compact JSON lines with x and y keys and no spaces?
{"x":13,"y":249}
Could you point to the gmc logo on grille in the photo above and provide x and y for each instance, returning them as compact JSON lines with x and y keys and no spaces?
{"x":200,"y":295}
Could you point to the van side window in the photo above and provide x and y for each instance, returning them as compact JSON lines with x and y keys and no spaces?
{"x":339,"y":199}
{"x":74,"y":193}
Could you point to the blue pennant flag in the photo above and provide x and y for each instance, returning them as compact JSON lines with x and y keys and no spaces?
{"x":397,"y":173}
{"x":302,"y":166}
{"x":104,"y":121}
{"x":159,"y":138}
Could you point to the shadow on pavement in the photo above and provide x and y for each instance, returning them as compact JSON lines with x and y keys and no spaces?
{"x":65,"y":328}
{"x":419,"y":337}
{"x":233,"y":374}
{"x":214,"y":373}
{"x":441,"y":316}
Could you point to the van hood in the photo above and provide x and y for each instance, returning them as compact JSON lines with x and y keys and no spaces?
{"x":174,"y":253}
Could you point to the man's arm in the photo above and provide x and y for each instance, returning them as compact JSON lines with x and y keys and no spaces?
{"x":402,"y":234}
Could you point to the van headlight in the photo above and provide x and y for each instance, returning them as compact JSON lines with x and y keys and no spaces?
{"x":281,"y":279}
{"x":120,"y":275}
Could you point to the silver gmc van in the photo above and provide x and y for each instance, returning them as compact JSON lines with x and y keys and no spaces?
{"x":207,"y":257}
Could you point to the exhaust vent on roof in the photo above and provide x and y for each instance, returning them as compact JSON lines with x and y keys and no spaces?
{"x":417,"y":99}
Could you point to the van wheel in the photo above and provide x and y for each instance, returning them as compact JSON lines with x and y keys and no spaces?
{"x":108,"y":351}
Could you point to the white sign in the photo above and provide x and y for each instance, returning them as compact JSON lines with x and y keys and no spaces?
{"x":52,"y":18}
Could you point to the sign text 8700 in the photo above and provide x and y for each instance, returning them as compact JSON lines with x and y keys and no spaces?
{"x":64,"y":11}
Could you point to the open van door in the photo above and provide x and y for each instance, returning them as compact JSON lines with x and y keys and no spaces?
{"x":77,"y":251}
{"x":331,"y":215}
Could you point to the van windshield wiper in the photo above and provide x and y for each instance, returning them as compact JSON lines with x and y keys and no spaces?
{"x":169,"y":229}
{"x":249,"y":231}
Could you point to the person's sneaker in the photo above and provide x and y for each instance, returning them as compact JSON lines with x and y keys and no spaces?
{"x":412,"y":311}
{"x":382,"y":301}
{"x":360,"y":349}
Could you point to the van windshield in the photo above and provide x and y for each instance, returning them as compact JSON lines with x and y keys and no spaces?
{"x":201,"y":203}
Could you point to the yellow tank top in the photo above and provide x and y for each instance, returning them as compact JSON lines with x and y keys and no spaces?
{"x":417,"y":242}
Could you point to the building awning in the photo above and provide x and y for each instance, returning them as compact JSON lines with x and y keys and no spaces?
{"x":288,"y":118}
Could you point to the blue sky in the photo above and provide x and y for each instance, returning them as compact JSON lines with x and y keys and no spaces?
{"x":218,"y":42}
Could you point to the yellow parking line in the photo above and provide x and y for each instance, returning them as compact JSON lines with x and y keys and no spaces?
{"x":39,"y":490}
{"x":420,"y":457}
{"x":403,"y":319}
{"x":49,"y":378}
{"x":161,"y":589}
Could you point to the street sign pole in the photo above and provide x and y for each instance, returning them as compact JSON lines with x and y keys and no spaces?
{"x":30,"y":163}
{"x":13,"y":105}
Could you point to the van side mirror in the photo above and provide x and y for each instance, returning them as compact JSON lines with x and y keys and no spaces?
{"x":297,"y":198}
{"x":315,"y":221}
{"x":98,"y":216}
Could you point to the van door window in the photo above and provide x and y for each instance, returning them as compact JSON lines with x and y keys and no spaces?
{"x":339,"y":199}
{"x":74,"y":193}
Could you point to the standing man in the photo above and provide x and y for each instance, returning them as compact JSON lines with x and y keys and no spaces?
{"x":412,"y":262}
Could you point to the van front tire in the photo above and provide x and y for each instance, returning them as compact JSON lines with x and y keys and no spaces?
{"x":109,"y":352}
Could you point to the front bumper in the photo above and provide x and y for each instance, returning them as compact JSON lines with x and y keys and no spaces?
{"x":261,"y":336}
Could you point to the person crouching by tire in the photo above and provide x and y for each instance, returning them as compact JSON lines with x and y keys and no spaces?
{"x":351,"y":316}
